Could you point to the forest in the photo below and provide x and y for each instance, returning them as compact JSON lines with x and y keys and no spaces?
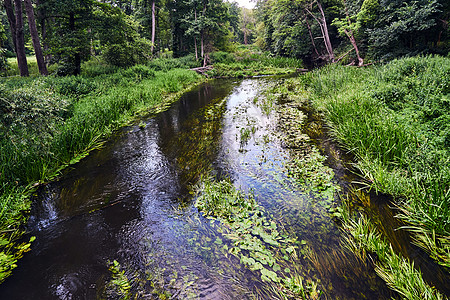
{"x":371,"y":77}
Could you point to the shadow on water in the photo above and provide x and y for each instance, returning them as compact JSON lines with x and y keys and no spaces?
{"x":130,"y":202}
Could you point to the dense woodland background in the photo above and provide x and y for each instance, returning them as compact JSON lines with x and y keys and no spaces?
{"x":128,"y":32}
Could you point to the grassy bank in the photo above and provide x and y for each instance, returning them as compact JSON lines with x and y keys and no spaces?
{"x":49,"y":123}
{"x":395,"y":120}
{"x":250,"y":62}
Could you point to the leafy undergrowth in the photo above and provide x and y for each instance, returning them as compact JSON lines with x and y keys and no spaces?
{"x":48,"y":123}
{"x":255,"y":239}
{"x":242,"y":70}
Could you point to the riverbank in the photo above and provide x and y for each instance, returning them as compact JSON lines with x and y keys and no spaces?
{"x":246,"y":63}
{"x":49,"y":123}
{"x":394,"y":119}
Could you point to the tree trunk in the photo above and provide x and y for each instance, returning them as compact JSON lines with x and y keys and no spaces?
{"x":202,"y":41}
{"x":77,"y":55}
{"x":41,"y":21}
{"x":326,"y":34}
{"x":351,"y":37}
{"x":312,"y":38}
{"x":20,"y":40}
{"x":202,"y":46}
{"x":12,"y":21}
{"x":195,"y":39}
{"x":323,"y":28}
{"x":35,"y":38}
{"x":153,"y":26}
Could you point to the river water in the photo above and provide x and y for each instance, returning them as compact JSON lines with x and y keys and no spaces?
{"x":131,"y":201}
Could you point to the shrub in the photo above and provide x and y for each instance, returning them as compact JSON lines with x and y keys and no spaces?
{"x":73,"y":86}
{"x":222,"y":57}
{"x":139,"y":72}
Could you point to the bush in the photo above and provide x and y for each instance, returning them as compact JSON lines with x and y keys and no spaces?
{"x":222,"y":57}
{"x":166,"y":64}
{"x":138,"y":73}
{"x":73,"y":86}
{"x":125,"y":55}
{"x":119,"y":55}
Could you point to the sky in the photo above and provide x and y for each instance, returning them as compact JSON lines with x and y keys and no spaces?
{"x":245,"y":3}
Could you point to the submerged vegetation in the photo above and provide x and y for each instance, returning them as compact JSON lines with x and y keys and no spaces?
{"x":398,"y":272}
{"x":253,"y":237}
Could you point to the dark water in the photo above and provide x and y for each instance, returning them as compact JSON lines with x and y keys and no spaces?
{"x":130,"y":202}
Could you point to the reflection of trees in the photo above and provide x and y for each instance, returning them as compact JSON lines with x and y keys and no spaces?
{"x":194,"y":144}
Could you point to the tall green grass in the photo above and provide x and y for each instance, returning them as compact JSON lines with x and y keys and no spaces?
{"x":398,"y":272}
{"x":395,"y":119}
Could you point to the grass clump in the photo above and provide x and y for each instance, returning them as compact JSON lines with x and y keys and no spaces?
{"x":398,"y":272}
{"x":50,"y":122}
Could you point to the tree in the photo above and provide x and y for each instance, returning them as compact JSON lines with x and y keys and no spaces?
{"x":121,"y":44}
{"x":247,"y":24}
{"x":403,"y":27}
{"x":15,"y":19}
{"x":322,"y":22}
{"x":35,"y":38}
{"x":207,"y":20}
{"x":348,"y":26}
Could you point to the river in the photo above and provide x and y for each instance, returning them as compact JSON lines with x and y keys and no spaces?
{"x":131,"y":201}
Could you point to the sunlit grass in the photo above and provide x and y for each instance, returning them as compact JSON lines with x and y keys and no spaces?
{"x":13,"y":68}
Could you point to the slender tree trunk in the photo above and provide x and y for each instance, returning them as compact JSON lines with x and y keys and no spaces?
{"x":351,"y":37}
{"x":153,"y":26}
{"x":312,"y":38}
{"x":77,"y":55}
{"x":35,"y":38}
{"x":202,"y":46}
{"x":202,"y":41}
{"x":195,"y":38}
{"x":41,"y":21}
{"x":323,"y":28}
{"x":20,"y":40}
{"x":12,"y":21}
{"x":326,"y":34}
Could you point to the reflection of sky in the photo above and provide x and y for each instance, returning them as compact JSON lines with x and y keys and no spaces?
{"x":245,"y":3}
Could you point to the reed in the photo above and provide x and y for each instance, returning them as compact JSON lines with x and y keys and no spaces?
{"x":398,"y":272}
